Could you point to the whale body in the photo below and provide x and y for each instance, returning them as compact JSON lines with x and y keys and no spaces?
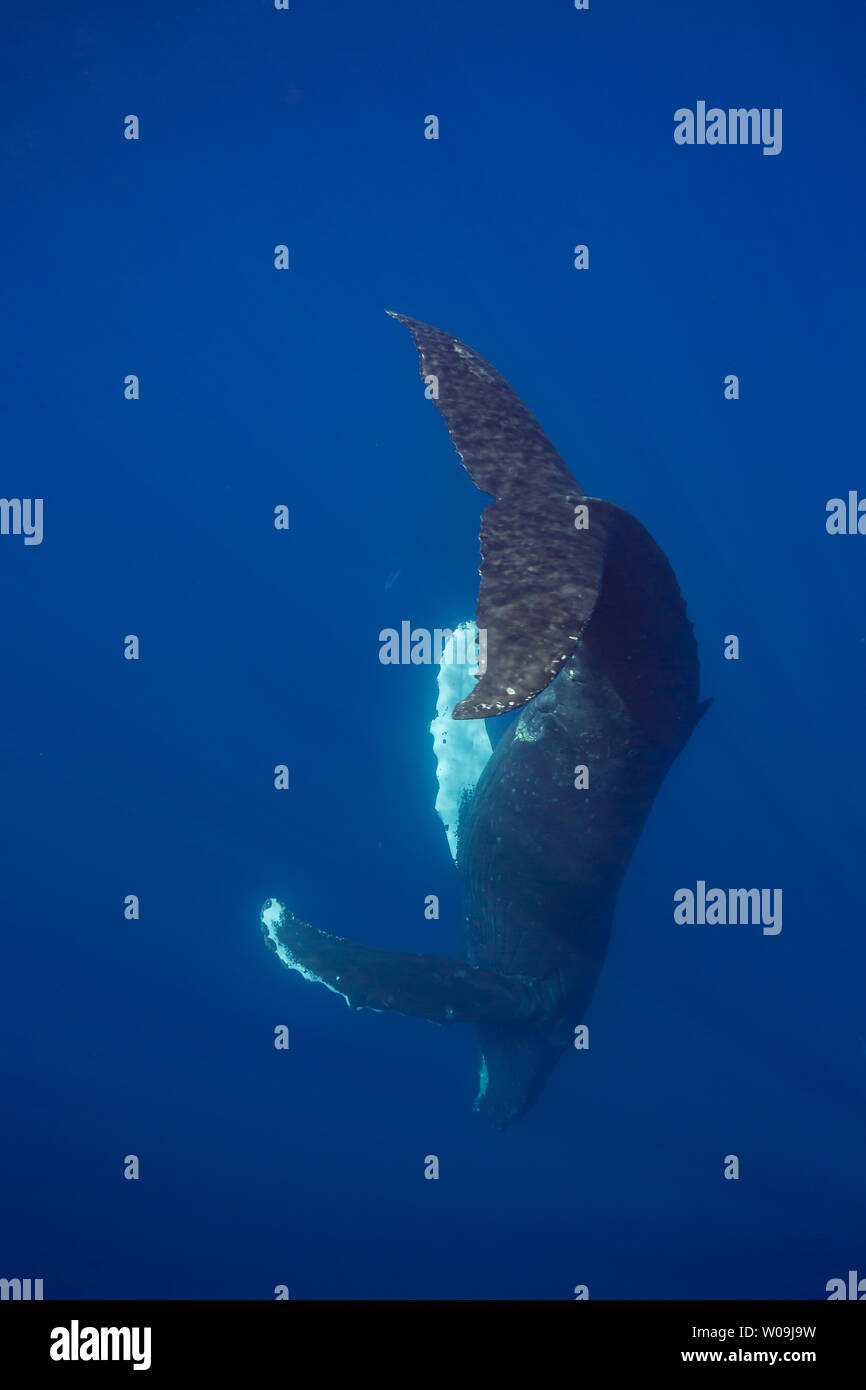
{"x":587,"y":635}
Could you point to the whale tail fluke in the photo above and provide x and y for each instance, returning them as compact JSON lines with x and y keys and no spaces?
{"x":540,"y":578}
{"x":557,"y":566}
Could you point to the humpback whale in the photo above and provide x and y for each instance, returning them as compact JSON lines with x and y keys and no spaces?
{"x":588,"y":637}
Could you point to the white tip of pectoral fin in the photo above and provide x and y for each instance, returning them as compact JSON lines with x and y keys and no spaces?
{"x":273,"y":914}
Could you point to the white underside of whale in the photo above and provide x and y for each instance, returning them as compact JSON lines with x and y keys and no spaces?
{"x":461,"y":746}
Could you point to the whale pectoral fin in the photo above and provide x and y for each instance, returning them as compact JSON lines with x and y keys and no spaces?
{"x":433,"y":987}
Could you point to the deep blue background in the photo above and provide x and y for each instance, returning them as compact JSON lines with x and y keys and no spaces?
{"x":258,"y":387}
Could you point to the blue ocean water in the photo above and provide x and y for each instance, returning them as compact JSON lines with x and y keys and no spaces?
{"x":154,"y":777}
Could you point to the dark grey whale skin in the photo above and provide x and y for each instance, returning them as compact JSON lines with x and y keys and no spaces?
{"x":542,"y":862}
{"x":587,"y":630}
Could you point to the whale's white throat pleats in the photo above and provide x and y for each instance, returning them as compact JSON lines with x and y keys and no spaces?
{"x":461,"y":746}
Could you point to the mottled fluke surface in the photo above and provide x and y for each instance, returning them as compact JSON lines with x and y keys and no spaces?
{"x":538,"y":587}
